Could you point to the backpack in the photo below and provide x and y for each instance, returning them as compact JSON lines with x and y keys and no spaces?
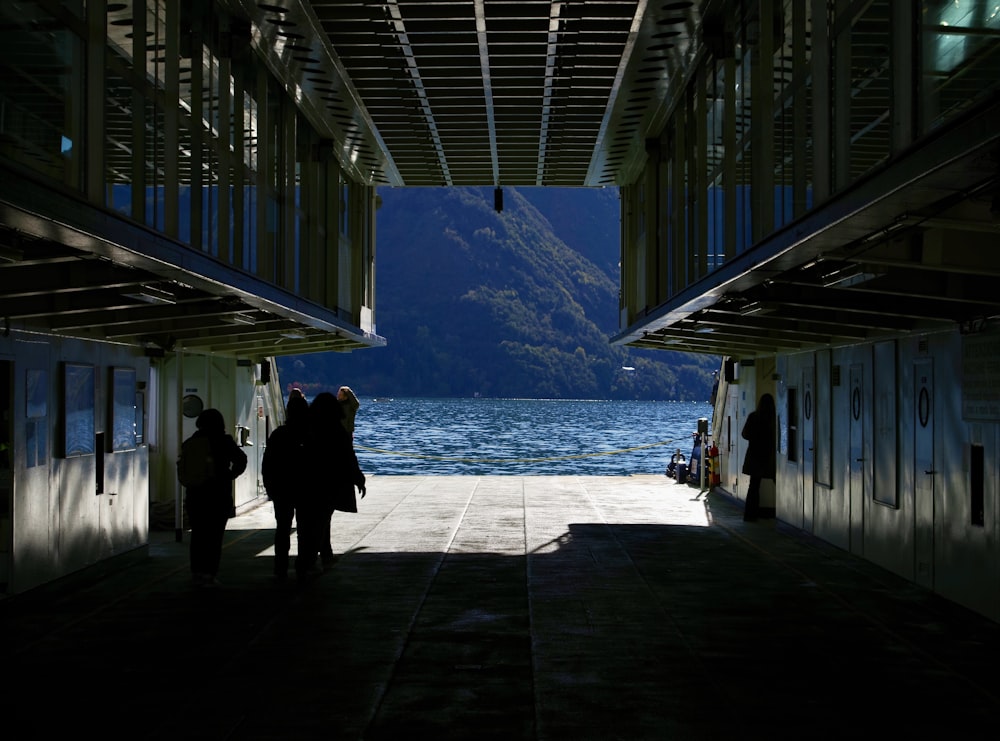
{"x":196,"y":464}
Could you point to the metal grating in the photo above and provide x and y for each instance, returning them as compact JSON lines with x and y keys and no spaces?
{"x":486,"y":93}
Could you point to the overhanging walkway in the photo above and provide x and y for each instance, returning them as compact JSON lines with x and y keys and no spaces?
{"x":505,"y":608}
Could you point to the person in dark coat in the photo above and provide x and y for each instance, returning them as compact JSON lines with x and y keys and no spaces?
{"x":283,"y":470}
{"x":210,"y":505}
{"x":759,"y":462}
{"x":333,"y":474}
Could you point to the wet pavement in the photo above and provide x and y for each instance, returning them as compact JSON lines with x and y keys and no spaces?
{"x":504,"y":607}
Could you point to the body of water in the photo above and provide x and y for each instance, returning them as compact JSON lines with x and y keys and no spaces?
{"x":523,"y":436}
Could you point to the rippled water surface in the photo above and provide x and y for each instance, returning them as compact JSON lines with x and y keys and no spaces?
{"x":522,"y":436}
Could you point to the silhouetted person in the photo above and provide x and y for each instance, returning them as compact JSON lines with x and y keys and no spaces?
{"x":210,"y":505}
{"x":677,"y":457}
{"x":333,"y":474}
{"x":759,"y":461}
{"x":283,"y":469}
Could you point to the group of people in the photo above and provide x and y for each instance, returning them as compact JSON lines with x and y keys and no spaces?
{"x":309,"y":469}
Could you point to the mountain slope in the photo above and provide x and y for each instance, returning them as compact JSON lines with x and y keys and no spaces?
{"x":476,"y":302}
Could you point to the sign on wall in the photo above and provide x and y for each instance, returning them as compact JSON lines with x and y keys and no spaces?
{"x":981,"y":377}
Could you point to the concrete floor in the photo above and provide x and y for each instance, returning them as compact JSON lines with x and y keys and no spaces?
{"x":504,"y":607}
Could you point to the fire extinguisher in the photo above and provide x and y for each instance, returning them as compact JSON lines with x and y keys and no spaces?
{"x":714,"y":474}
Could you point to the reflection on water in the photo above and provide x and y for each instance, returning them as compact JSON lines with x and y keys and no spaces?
{"x":522,"y":436}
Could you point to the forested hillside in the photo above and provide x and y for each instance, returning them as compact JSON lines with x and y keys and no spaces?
{"x":515,"y":304}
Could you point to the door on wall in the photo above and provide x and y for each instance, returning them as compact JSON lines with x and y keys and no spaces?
{"x":731,"y":431}
{"x":923,"y":471}
{"x":808,"y":471}
{"x":791,"y":443}
{"x":856,"y":479}
{"x":6,"y":471}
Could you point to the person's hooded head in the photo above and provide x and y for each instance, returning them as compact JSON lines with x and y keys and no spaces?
{"x":210,"y":422}
{"x":297,"y":409}
{"x":325,"y":409}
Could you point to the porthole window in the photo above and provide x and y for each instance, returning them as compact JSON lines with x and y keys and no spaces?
{"x":192,"y":406}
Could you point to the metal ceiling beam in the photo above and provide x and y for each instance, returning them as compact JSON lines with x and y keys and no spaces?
{"x":792,"y":325}
{"x":42,"y":278}
{"x":861,"y":302}
{"x":40,"y":305}
{"x":745,"y":346}
{"x":143,"y":319}
{"x":772,"y":340}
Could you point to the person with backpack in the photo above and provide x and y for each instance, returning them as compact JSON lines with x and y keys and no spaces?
{"x":210,"y":461}
{"x":283,"y":469}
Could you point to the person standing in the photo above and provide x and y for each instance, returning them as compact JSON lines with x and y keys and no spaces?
{"x":283,"y":472}
{"x":349,"y":405}
{"x":209,"y":503}
{"x":759,"y":462}
{"x":333,"y":474}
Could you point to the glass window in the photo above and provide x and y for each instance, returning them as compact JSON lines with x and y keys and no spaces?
{"x":124,"y":134}
{"x":123,"y":413}
{"x":792,"y":420}
{"x":78,"y":409}
{"x":793,"y":142}
{"x":345,"y":198}
{"x":248,"y":180}
{"x":715,"y":147}
{"x":213,"y":81}
{"x":41,"y":92}
{"x":744,"y":170}
{"x":884,"y":424}
{"x":869,"y":39}
{"x":961,"y":56}
{"x":140,"y":417}
{"x":823,"y":430}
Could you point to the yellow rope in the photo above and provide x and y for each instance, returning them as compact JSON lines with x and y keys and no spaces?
{"x":509,"y":460}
